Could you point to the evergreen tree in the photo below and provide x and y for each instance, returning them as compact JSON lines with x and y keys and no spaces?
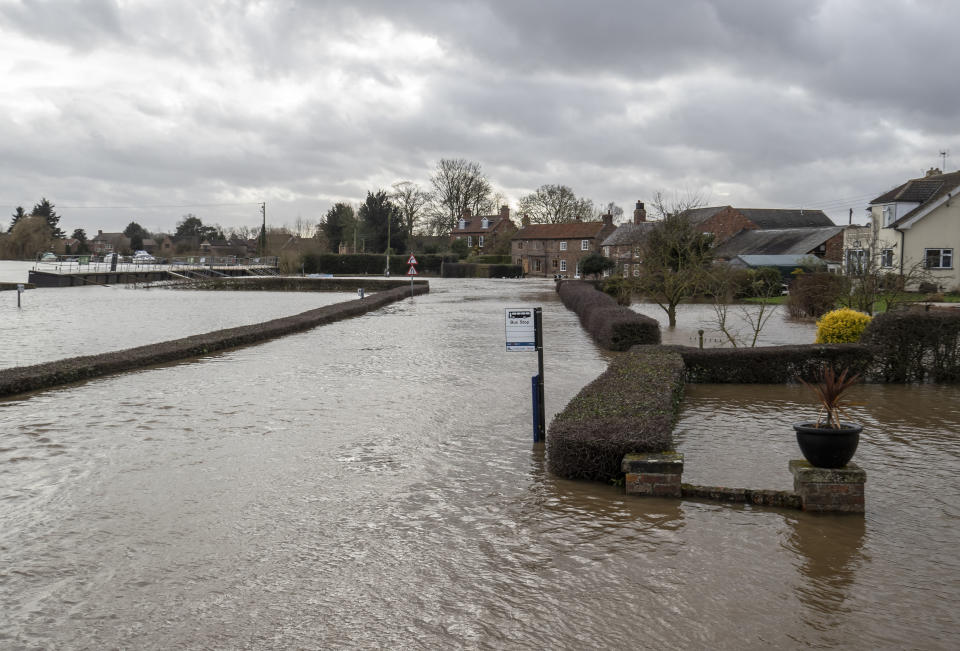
{"x":383,"y":223}
{"x":45,"y":209}
{"x":17,"y":216}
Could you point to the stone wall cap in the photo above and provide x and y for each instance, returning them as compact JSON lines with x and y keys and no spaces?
{"x":652,"y":462}
{"x":851,"y":474}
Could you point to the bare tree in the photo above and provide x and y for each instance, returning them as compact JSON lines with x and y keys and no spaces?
{"x":412,"y":200}
{"x":664,"y":206}
{"x":611,"y":208}
{"x":675,"y":257}
{"x":458,"y":185}
{"x":303,"y":227}
{"x":555,"y":204}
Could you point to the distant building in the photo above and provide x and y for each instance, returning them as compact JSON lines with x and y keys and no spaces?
{"x":624,"y":245}
{"x":726,"y":221}
{"x":103,"y":243}
{"x":825,"y":243}
{"x":483,"y":232}
{"x":556,"y":249}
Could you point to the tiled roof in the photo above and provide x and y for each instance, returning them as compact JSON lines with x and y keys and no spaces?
{"x":628,"y":234}
{"x":566,"y":231}
{"x":766,"y":217}
{"x":473,"y":226}
{"x":780,"y":241}
{"x":789,"y":218}
{"x":922,"y":191}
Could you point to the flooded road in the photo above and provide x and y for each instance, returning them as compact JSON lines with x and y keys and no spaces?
{"x":371,"y":483}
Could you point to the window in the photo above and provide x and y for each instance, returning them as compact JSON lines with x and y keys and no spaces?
{"x":554,"y":263}
{"x":938,"y":258}
{"x":485,"y":223}
{"x":584,"y":245}
{"x":636,"y":270}
{"x":606,"y":252}
{"x":480,"y":241}
{"x":855,"y":261}
{"x":886,"y":258}
{"x":520,"y":245}
{"x":536,"y":264}
{"x":626,"y":268}
{"x":520,"y":261}
{"x":889,"y":214}
{"x":563,"y":265}
{"x":462,"y":224}
{"x":469,"y":240}
{"x":563,"y":246}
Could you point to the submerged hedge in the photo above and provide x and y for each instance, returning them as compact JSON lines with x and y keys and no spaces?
{"x":474,"y":270}
{"x":42,"y":376}
{"x":769,"y":364}
{"x":915,"y":345}
{"x":612,"y":326}
{"x":630,"y":407}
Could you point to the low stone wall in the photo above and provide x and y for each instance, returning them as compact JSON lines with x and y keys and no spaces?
{"x":43,"y":376}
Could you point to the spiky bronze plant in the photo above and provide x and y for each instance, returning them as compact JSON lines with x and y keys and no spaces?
{"x":829,"y":388}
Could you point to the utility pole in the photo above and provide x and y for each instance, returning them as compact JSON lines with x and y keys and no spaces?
{"x":263,"y":230}
{"x":387,"y":271}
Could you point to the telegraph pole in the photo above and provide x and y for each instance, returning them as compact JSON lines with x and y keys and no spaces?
{"x":263,"y":231}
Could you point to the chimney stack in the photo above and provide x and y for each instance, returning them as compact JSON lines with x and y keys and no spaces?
{"x":607,"y":219}
{"x":639,"y":213}
{"x":525,"y":221}
{"x":467,"y":213}
{"x":505,"y":212}
{"x":933,"y":171}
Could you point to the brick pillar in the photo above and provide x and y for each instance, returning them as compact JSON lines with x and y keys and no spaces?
{"x":829,"y":489}
{"x":656,"y":474}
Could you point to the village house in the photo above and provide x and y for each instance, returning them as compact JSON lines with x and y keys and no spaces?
{"x":483,"y":232}
{"x":917,"y":225}
{"x":556,"y":249}
{"x":103,"y":243}
{"x":623,"y":246}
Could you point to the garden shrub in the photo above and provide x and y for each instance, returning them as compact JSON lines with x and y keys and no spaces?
{"x":814,"y":294}
{"x":619,"y":288}
{"x":915,"y":346}
{"x":843,"y":326}
{"x":769,"y":364}
{"x":630,"y":407}
{"x":612,"y":326}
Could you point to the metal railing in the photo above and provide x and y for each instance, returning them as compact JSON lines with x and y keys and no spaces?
{"x":96,"y":264}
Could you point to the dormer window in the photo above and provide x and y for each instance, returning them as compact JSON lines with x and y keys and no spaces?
{"x":485,"y":223}
{"x":462,"y":224}
{"x":889,"y":214}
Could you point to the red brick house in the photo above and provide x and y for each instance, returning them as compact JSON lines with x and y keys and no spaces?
{"x":483,"y":232}
{"x":556,"y":249}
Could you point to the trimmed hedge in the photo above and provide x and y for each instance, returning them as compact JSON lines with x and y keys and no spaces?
{"x":915,"y":345}
{"x":612,"y":326}
{"x":630,"y":407}
{"x":769,"y":364}
{"x":492,"y":259}
{"x":43,"y":376}
{"x":472,"y":270}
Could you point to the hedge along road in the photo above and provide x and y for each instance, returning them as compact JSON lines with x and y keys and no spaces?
{"x":22,"y":379}
{"x":372,"y":483}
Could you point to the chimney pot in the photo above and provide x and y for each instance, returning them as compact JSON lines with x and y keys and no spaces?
{"x":639,"y":213}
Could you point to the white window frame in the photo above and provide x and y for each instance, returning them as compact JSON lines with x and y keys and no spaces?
{"x":485,"y":223}
{"x":563,"y":265}
{"x":480,"y":241}
{"x":563,"y":246}
{"x":584,"y":245}
{"x":469,"y":240}
{"x":945,"y":255}
{"x":886,"y":258}
{"x":462,"y":224}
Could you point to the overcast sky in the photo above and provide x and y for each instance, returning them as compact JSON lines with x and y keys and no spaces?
{"x":129,"y":110}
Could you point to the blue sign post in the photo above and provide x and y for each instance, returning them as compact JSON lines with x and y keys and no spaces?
{"x":524,"y":327}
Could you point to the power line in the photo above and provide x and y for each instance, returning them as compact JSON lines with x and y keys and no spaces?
{"x":185,"y":205}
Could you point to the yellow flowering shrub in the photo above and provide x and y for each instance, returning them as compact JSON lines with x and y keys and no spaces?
{"x":843,"y":326}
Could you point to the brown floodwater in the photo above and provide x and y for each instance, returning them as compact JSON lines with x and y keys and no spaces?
{"x":372,"y":483}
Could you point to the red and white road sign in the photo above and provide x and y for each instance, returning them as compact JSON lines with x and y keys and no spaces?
{"x":412,"y":271}
{"x":412,"y":260}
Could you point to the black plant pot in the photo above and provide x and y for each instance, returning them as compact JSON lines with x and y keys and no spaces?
{"x":826,"y":447}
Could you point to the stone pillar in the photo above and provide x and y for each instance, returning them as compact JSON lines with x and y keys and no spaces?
{"x":829,"y":489}
{"x":656,"y":474}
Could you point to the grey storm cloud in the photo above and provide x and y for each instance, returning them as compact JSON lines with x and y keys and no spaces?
{"x":305,"y":103}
